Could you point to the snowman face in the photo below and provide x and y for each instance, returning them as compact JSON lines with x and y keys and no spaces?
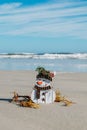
{"x":42,"y":82}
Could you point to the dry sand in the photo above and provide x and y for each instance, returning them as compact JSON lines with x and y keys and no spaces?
{"x":54,"y":116}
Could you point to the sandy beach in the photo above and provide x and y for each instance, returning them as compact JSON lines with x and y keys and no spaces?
{"x":53,"y":116}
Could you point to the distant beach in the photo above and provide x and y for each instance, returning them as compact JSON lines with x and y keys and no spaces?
{"x":60,"y":62}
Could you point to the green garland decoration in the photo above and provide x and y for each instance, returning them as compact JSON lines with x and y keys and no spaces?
{"x":43,"y":73}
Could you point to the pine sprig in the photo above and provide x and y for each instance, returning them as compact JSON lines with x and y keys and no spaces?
{"x":43,"y":73}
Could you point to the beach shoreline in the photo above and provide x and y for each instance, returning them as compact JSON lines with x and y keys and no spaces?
{"x":53,"y":116}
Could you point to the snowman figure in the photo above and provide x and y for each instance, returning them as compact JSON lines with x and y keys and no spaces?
{"x":42,"y":91}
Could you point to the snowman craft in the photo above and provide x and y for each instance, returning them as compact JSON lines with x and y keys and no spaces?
{"x":42,"y":91}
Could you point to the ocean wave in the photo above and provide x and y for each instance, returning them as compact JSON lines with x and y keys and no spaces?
{"x":45,"y":55}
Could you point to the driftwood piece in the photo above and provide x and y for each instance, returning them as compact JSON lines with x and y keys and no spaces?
{"x":25,"y":101}
{"x":60,"y":98}
{"x":29,"y":104}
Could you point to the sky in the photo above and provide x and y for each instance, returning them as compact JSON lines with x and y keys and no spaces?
{"x":38,"y":26}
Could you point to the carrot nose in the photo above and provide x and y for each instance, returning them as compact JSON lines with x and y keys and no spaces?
{"x":39,"y":82}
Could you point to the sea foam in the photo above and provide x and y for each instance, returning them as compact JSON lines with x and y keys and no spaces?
{"x":45,"y":55}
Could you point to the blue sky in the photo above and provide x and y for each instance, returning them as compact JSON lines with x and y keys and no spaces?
{"x":43,"y":26}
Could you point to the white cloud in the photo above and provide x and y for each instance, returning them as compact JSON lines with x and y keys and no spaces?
{"x":63,"y":19}
{"x":8,"y":6}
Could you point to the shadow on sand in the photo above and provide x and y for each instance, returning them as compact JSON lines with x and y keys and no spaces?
{"x":5,"y":99}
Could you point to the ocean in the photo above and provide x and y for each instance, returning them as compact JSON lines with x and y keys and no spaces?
{"x":60,"y":62}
